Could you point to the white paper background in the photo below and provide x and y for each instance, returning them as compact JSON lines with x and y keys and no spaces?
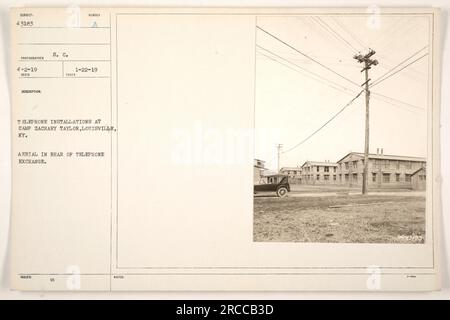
{"x":5,"y":174}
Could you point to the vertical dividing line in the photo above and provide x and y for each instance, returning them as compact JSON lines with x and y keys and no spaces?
{"x":62,"y":65}
{"x":431,"y":27}
{"x":254,"y":122}
{"x":116,"y":20}
{"x":111,"y":161}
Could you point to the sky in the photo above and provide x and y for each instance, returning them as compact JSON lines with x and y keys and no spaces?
{"x":295,"y":95}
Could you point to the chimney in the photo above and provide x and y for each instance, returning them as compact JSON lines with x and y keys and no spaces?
{"x":378,"y":151}
{"x":381,"y":151}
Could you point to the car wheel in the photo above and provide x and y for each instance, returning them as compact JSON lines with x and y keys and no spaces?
{"x":282,"y":192}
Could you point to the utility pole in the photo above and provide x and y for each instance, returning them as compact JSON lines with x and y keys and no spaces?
{"x":279,"y":147}
{"x":368,"y":62}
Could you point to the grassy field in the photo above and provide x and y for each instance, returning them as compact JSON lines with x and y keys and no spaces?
{"x":354,"y":219}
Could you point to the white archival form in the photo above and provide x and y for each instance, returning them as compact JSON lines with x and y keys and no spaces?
{"x":135,"y":132}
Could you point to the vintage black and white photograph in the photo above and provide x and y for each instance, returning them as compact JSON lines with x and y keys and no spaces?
{"x":341,"y":109}
{"x":226,"y":149}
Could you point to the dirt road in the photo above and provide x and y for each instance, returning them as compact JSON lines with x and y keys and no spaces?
{"x":375,"y":218}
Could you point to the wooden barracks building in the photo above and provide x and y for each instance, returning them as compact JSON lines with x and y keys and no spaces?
{"x":258,"y":169}
{"x":314,"y":172}
{"x":383,"y":170}
{"x":294,"y":174}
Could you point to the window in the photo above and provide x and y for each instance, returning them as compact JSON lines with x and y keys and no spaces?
{"x":423,"y":177}
{"x":397,"y":177}
{"x":334,"y":169}
{"x":355,"y":164}
{"x":386,"y":177}
{"x":355,"y":177}
{"x":318,"y":177}
{"x":377,"y":162}
{"x":346,"y":165}
{"x":408,"y":164}
{"x":326,"y":169}
{"x":407,"y":178}
{"x":346,"y":177}
{"x":374,"y":177}
{"x":326,"y":177}
{"x":334,"y":177}
{"x":318,"y":168}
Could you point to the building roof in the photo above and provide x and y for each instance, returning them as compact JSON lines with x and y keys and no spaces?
{"x":290,"y":168}
{"x":275,"y":175}
{"x":385,"y":157}
{"x":318,"y":163}
{"x":418,"y":170}
{"x":259,"y":163}
{"x":267,"y":173}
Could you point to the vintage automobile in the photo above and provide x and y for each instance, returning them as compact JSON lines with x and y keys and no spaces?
{"x":277,"y":183}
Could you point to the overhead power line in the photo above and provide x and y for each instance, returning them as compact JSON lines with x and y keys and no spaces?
{"x":327,"y":27}
{"x":354,"y":37}
{"x":303,"y":69}
{"x":412,"y":62}
{"x":307,"y":56}
{"x":398,"y":101}
{"x":390,"y":30}
{"x":399,"y":34}
{"x":312,"y":76}
{"x":412,"y":74}
{"x":389,"y":73}
{"x":293,"y":66}
{"x":325,"y":124}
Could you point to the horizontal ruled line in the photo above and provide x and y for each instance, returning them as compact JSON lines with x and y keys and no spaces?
{"x":62,"y":43}
{"x":60,"y":27}
{"x":100,"y":77}
{"x":87,"y":60}
{"x":225,"y":274}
